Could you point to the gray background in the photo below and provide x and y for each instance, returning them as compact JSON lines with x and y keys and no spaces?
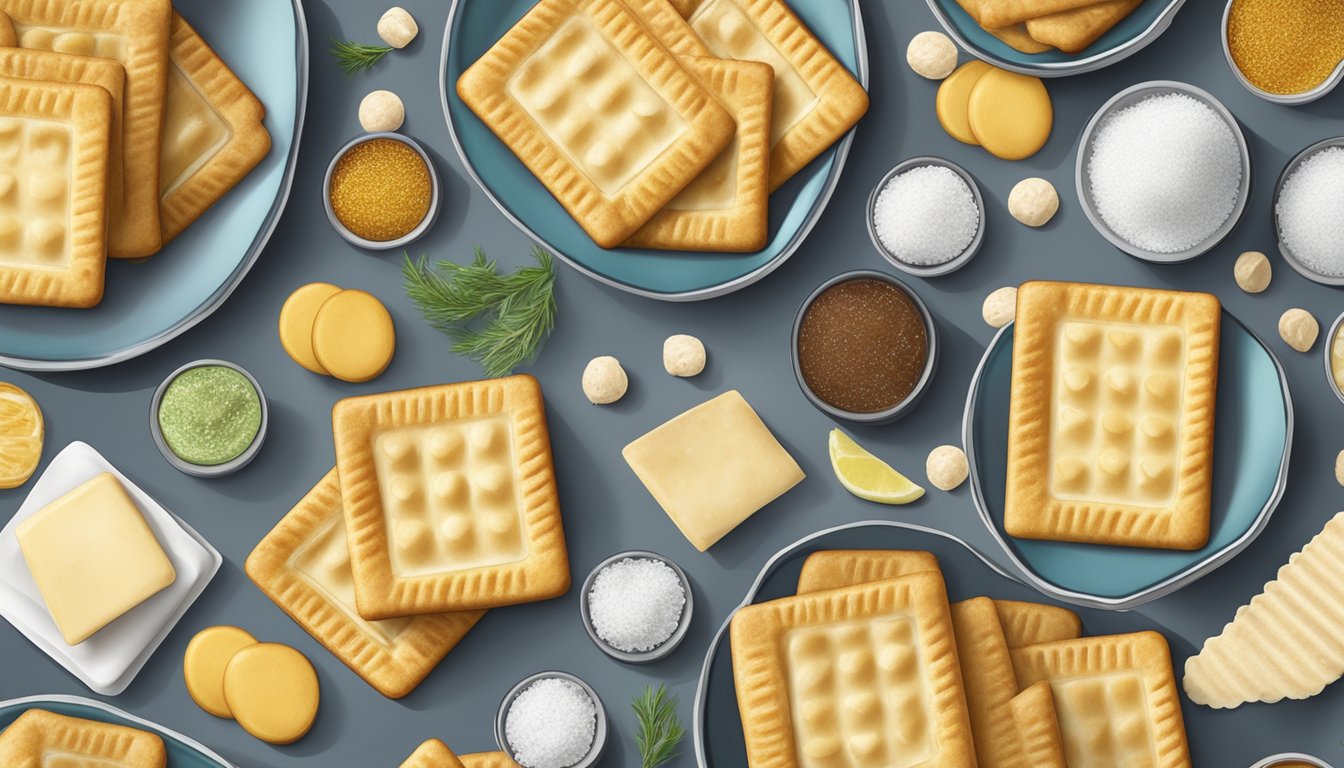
{"x":747,"y":333}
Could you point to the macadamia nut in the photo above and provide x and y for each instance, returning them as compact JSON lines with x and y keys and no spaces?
{"x":397,"y":27}
{"x":1000,"y":307}
{"x":1298,"y":329}
{"x":932,"y":55}
{"x":1253,"y":272}
{"x":381,"y":111}
{"x":1339,"y":468}
{"x":604,"y":380}
{"x":947,"y":467}
{"x":683,"y":355}
{"x":1033,"y":201}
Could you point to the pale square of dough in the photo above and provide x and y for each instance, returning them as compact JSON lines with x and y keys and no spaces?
{"x":212,"y":131}
{"x":54,"y":146}
{"x":1115,"y":697}
{"x":303,"y":565}
{"x":600,"y":112}
{"x":450,"y":498}
{"x":432,"y":754}
{"x":713,"y":467}
{"x":46,"y":739}
{"x":1110,"y":433}
{"x":816,"y":99}
{"x":135,"y":34}
{"x":725,"y":207}
{"x":852,"y":677}
{"x":488,"y":760}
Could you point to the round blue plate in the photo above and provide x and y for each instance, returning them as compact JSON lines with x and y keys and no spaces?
{"x":1125,"y":39}
{"x":182,"y":751}
{"x":149,"y":303}
{"x":475,"y":25}
{"x":1253,"y":431}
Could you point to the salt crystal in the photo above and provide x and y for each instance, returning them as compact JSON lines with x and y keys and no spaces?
{"x":926,"y":216}
{"x":1311,"y":212}
{"x":635,"y":604}
{"x":550,"y":724}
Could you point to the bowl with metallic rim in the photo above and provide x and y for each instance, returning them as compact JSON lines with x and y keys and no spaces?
{"x":932,"y":270}
{"x":1284,"y":251}
{"x":1287,"y":99}
{"x":383,"y":245}
{"x":600,"y":729}
{"x":1326,"y":350}
{"x":208,"y":470}
{"x":662,"y":649}
{"x":1290,"y":760}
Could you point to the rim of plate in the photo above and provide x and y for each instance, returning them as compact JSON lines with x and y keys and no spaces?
{"x":61,"y":698}
{"x":1065,"y":68}
{"x":263,"y":236}
{"x":1187,"y":575}
{"x":697,"y":727}
{"x":841,"y":149}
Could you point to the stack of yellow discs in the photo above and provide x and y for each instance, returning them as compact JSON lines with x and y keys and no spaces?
{"x":269,"y":688}
{"x":1008,"y":114}
{"x":343,"y":333}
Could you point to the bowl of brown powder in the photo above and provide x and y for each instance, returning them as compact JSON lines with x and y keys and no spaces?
{"x":381,"y":191}
{"x":1285,"y":51}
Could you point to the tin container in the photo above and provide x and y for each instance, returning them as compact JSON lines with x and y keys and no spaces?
{"x":599,"y":733}
{"x":1284,"y":251}
{"x":1289,"y":758}
{"x":934,"y":270}
{"x":668,"y":645}
{"x":435,"y":194}
{"x":1286,"y":99}
{"x":208,"y":470}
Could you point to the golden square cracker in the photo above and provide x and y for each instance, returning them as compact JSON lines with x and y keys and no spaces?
{"x":303,"y":565}
{"x":54,"y":147}
{"x":432,"y":754}
{"x":1031,"y":623}
{"x":987,"y":674}
{"x":1110,"y":435}
{"x":1002,"y":13}
{"x":134,"y":33}
{"x":601,"y":113}
{"x":42,"y":738}
{"x":725,"y":207}
{"x":668,"y":27}
{"x":1038,"y":742}
{"x":212,"y":131}
{"x":1072,"y":31}
{"x":834,"y":568}
{"x":450,"y":498}
{"x":816,"y":101}
{"x":488,"y":760}
{"x":1127,"y":679}
{"x":852,"y":676}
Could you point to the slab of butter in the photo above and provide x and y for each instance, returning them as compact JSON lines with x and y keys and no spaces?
{"x":93,"y":557}
{"x":713,"y":467}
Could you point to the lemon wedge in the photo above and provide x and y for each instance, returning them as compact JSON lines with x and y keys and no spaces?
{"x":866,"y":476}
{"x":20,"y":435}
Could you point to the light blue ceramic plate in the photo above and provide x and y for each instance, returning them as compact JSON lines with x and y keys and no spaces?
{"x":149,"y":303}
{"x":1125,"y":39}
{"x":1253,"y":432}
{"x":182,"y":751}
{"x":475,"y":25}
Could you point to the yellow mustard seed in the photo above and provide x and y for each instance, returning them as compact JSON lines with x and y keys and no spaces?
{"x":380,"y":189}
{"x":1286,"y":46}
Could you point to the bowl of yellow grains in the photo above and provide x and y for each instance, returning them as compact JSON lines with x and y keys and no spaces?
{"x":381,"y":191}
{"x":1285,"y":51}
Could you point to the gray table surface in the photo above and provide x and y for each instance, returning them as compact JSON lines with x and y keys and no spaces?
{"x":747,"y":334}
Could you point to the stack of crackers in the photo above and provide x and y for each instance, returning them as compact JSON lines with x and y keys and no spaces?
{"x":662,"y":124}
{"x":443,"y":504}
{"x":119,"y":126}
{"x":869,"y":664}
{"x":1037,"y":26}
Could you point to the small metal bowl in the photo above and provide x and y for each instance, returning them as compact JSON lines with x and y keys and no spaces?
{"x":637,"y":657}
{"x":934,"y":270}
{"x":930,"y":362}
{"x":1286,"y":757}
{"x":1286,"y":99}
{"x":599,"y":733}
{"x":1326,"y":347}
{"x":1288,"y":170}
{"x":208,"y":470}
{"x":1128,"y":97}
{"x":409,"y":237}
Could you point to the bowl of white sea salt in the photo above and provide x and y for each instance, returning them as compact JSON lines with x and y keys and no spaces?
{"x":636,"y":606}
{"x":1307,"y":214}
{"x":926,"y":217}
{"x":552,"y":720}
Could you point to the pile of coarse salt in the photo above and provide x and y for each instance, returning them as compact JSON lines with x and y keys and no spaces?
{"x":1311,"y":212}
{"x":926,"y":216}
{"x":635,"y":604}
{"x":550,"y":724}
{"x":1165,"y":173}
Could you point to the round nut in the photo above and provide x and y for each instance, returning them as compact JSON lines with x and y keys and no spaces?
{"x":1253,"y":272}
{"x":381,"y":111}
{"x":397,"y":27}
{"x":1000,"y":306}
{"x":1339,"y":468}
{"x":1033,"y":201}
{"x":932,"y":55}
{"x":683,"y":355}
{"x":1298,"y":329}
{"x":947,"y":467}
{"x":604,"y":380}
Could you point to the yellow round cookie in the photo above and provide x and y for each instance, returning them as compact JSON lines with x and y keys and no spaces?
{"x":272,"y":691}
{"x":954,"y":95}
{"x":208,"y":653}
{"x":1010,"y":114}
{"x":296,"y":323}
{"x":353,"y":336}
{"x":21,"y":432}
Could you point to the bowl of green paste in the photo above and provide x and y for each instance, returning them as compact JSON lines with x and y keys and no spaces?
{"x":209,"y":418}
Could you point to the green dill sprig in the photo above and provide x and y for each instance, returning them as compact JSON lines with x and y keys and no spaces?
{"x":356,"y":57}
{"x":660,"y":730}
{"x":500,"y":321}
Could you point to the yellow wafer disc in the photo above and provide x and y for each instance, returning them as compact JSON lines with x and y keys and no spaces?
{"x":353,"y":336}
{"x":954,"y":96}
{"x":1010,"y":114}
{"x":208,"y":654}
{"x":296,"y":322}
{"x":272,"y":691}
